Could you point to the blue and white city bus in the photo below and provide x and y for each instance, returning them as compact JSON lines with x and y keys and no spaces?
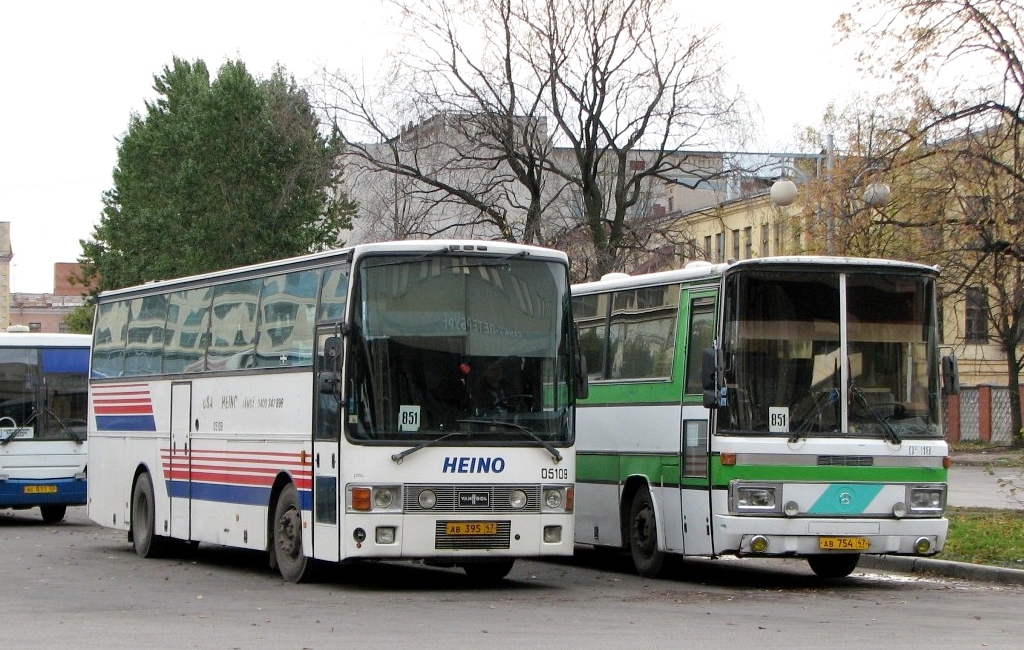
{"x":44,"y":384}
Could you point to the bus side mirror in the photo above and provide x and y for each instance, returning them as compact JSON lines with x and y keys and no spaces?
{"x":327,"y":382}
{"x":950,"y":376}
{"x":709,"y":374}
{"x":580,"y":379}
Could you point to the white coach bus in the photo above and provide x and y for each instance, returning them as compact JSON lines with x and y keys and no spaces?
{"x":44,"y":383}
{"x":409,"y":400}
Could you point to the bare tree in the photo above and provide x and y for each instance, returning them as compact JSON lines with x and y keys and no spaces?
{"x":963,"y":60}
{"x":558,"y":117}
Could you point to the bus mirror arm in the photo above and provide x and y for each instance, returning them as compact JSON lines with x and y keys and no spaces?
{"x":950,"y":376}
{"x":711,"y":370}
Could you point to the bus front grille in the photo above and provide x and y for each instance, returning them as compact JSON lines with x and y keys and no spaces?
{"x":470,"y":499}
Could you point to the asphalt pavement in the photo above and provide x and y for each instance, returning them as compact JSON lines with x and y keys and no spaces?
{"x":976,"y":480}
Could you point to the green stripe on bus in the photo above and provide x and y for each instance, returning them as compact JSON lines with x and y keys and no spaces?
{"x":721,"y":475}
{"x":615,"y":468}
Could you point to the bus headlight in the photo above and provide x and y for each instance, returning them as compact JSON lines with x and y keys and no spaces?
{"x":749,"y":498}
{"x":557,"y":499}
{"x":427,"y":499}
{"x":517,"y":499}
{"x":375,"y":498}
{"x":384,"y":498}
{"x":923,"y":500}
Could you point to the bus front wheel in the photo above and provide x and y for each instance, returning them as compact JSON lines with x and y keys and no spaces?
{"x":291,"y":561}
{"x":643,"y":535}
{"x":143,"y":525}
{"x":488,"y":571}
{"x":53,"y":514}
{"x":833,"y":566}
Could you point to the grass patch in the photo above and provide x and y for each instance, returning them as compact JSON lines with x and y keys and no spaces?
{"x":985,"y":536}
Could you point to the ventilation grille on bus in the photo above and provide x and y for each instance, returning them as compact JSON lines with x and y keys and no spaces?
{"x":471,"y":498}
{"x":847,"y":461}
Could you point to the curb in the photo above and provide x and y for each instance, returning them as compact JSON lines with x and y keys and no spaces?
{"x":907,"y":564}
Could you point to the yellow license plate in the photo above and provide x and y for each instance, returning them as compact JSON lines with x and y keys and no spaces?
{"x":844,"y":543}
{"x":39,"y":489}
{"x":471,"y":528}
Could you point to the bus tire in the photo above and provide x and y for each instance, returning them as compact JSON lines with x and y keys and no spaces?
{"x":53,"y":514}
{"x":833,"y":566}
{"x":488,"y":571}
{"x":143,"y":525}
{"x":643,"y":535}
{"x":287,"y":543}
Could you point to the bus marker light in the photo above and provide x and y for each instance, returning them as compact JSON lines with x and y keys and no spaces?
{"x":570,"y":498}
{"x":727,"y":459}
{"x":758,"y":544}
{"x":947,"y":462}
{"x":922,"y":545}
{"x":361,"y":498}
{"x":792,"y":508}
{"x":899,"y":510}
{"x":359,"y":535}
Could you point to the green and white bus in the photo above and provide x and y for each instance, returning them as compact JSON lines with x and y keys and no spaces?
{"x":776,"y":407}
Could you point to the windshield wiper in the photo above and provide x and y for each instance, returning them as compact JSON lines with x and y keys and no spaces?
{"x":887,"y":431}
{"x":831,"y":396}
{"x":519,"y":429}
{"x":426,"y":443}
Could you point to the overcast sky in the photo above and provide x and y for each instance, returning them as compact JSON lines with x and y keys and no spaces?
{"x":75,"y":71}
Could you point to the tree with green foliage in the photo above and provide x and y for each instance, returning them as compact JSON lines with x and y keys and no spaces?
{"x":216,"y":174}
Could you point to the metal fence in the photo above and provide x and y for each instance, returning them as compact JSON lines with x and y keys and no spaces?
{"x":1001,"y":432}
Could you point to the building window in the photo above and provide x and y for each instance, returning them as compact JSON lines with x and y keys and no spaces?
{"x":778,"y":238}
{"x":748,"y":243}
{"x":976,"y":326}
{"x":62,"y":327}
{"x":707,"y":247}
{"x":720,"y":245}
{"x":736,"y":244}
{"x":35,"y":327}
{"x":765,"y":235}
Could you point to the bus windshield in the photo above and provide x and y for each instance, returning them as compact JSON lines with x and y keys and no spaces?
{"x":830,"y":353}
{"x":468,"y":347}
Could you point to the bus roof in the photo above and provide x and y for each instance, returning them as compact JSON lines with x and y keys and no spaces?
{"x":325,"y":258}
{"x":43,"y":340}
{"x":699,"y":270}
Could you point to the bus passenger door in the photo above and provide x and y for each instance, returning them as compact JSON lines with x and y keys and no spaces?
{"x":179,"y":487}
{"x":327,"y":445}
{"x":694,"y":446}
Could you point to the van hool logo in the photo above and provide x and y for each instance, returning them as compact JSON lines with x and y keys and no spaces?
{"x":472,"y":465}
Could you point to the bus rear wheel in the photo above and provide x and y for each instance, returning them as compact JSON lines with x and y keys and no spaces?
{"x":287,"y":543}
{"x":643,"y":535}
{"x":833,"y":566}
{"x":143,"y":525}
{"x":53,"y":514}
